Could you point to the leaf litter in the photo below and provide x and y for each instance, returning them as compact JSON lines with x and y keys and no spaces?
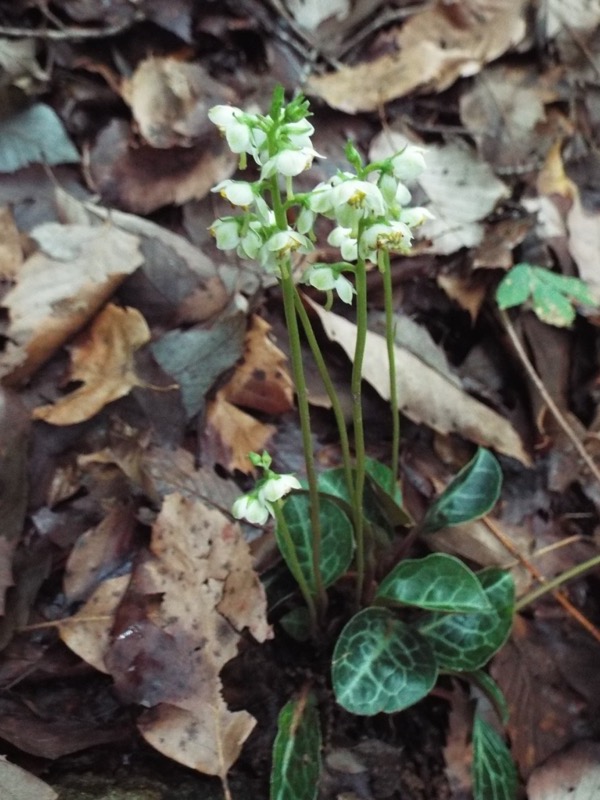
{"x":138,"y":368}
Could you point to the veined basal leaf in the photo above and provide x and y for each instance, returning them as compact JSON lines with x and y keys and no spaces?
{"x":471,"y":494}
{"x":438,"y":582}
{"x":494,"y":773}
{"x":337,"y":541}
{"x":297,"y":751}
{"x":465,"y":642}
{"x":386,"y":492}
{"x":380,"y":664}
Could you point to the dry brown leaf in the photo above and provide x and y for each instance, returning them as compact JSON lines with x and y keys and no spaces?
{"x":59,"y":290}
{"x":87,"y":633}
{"x":571,"y":775}
{"x":210,"y":593}
{"x":170,"y":98}
{"x":230,"y":434}
{"x":424,"y":395}
{"x":261,"y":381}
{"x":17,"y":784}
{"x":102,"y":359}
{"x":11,"y":252}
{"x":435,"y":47}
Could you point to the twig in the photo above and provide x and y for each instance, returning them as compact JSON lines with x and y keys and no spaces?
{"x":552,"y":407}
{"x":73,"y":32}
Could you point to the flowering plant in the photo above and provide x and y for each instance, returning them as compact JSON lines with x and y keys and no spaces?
{"x":346,"y":521}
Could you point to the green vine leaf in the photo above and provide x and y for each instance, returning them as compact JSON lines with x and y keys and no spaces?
{"x":381,"y":664}
{"x":494,"y":773}
{"x":438,"y":582}
{"x":465,"y":642}
{"x":471,"y":494}
{"x":552,"y":294}
{"x":297,"y":751}
{"x":337,"y":542}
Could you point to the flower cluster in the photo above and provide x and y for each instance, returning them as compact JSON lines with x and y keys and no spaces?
{"x":368,"y":207}
{"x":257,"y":506}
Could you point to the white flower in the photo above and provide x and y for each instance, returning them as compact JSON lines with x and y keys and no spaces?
{"x":232,"y":122}
{"x":284,"y":242}
{"x":305,"y":221}
{"x":413,"y":217}
{"x":326,"y":279}
{"x":298,"y":133}
{"x":289,"y":162}
{"x":395,"y":237}
{"x":342,"y":238}
{"x":239,"y":193}
{"x":251,"y":508}
{"x":353,"y":200}
{"x":409,"y":163}
{"x":251,"y":241}
{"x":277,"y":486}
{"x":226,"y":232}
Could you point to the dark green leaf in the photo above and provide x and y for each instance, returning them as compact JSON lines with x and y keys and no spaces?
{"x":494,"y":773}
{"x":386,"y":493}
{"x":437,"y":582}
{"x":337,"y":541}
{"x":297,"y":751}
{"x":490,"y":688}
{"x":465,"y":642}
{"x":381,"y":664}
{"x":471,"y":494}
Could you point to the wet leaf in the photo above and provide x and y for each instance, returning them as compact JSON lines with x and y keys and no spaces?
{"x":35,"y":135}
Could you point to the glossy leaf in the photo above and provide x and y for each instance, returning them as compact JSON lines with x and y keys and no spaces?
{"x":465,"y":642}
{"x":552,"y":294}
{"x":437,"y":582}
{"x":494,"y":773}
{"x":472,"y":493}
{"x":297,"y":751}
{"x":381,"y":664}
{"x":386,"y":493}
{"x":337,"y":541}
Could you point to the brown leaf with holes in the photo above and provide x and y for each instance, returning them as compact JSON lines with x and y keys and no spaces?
{"x":60,"y":288}
{"x":103,"y":359}
{"x":261,"y":382}
{"x":231,"y":434}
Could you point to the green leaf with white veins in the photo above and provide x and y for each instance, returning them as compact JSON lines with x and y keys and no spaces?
{"x":494,"y":773}
{"x":381,"y":664}
{"x":469,"y":495}
{"x":297,"y":751}
{"x":438,"y":582}
{"x":465,"y":642}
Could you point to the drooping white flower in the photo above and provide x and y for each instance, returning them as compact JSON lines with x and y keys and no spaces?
{"x":353,"y":200}
{"x":290,"y":162}
{"x":409,"y":163}
{"x":305,"y":221}
{"x":326,"y":279}
{"x":226,"y":232}
{"x":239,"y":193}
{"x":277,"y":486}
{"x":251,"y":508}
{"x":298,"y":133}
{"x":342,"y":238}
{"x":395,"y":237}
{"x":288,"y":241}
{"x":413,"y":217}
{"x":234,"y":125}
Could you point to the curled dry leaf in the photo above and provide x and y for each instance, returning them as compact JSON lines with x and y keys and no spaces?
{"x":435,"y":47}
{"x":17,"y":784}
{"x":424,"y":395}
{"x":102,"y":360}
{"x":59,"y":290}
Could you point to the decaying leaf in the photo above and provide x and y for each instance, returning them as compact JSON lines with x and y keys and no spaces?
{"x":170,"y":98}
{"x":434,"y":48}
{"x":571,"y":775}
{"x":230,"y":434}
{"x":424,"y":395}
{"x":261,"y":381}
{"x":11,"y":252}
{"x":59,"y":290}
{"x":17,"y":784}
{"x":102,"y":359}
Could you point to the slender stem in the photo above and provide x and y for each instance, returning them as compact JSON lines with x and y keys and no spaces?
{"x":552,"y":407}
{"x":362,"y":556}
{"x":288,"y":290}
{"x":331,"y":392}
{"x":294,"y":564}
{"x":390,"y":329}
{"x":554,"y":583}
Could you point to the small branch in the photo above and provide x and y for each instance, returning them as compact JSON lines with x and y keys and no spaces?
{"x":552,"y":407}
{"x":74,"y":32}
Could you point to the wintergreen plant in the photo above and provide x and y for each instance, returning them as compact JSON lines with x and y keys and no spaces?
{"x":346,"y":520}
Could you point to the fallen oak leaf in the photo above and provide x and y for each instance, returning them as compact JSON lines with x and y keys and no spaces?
{"x":103,"y":360}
